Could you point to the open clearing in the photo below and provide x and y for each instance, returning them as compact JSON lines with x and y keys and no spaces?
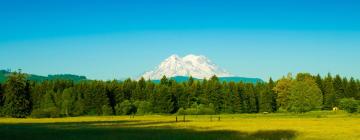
{"x":312,"y":125}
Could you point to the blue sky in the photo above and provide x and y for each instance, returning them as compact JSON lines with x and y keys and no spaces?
{"x":118,"y":39}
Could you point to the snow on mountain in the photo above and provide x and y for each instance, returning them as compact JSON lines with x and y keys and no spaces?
{"x":197,"y":66}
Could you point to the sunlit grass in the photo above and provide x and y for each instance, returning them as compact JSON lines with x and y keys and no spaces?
{"x":312,"y":125}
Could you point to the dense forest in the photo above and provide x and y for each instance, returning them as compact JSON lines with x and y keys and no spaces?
{"x":20,"y":97}
{"x":37,"y":78}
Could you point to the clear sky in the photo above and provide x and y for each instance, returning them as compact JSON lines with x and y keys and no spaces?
{"x":124,"y":38}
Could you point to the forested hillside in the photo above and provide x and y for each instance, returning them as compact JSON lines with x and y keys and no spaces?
{"x":21,"y":97}
{"x":37,"y":78}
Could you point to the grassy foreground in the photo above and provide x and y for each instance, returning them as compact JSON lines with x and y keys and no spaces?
{"x":312,"y":125}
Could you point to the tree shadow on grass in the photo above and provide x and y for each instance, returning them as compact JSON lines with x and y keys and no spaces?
{"x":128,"y":130}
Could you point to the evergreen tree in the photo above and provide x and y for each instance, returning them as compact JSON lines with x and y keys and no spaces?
{"x":352,"y":89}
{"x":227,"y":94}
{"x":113,"y":89}
{"x":357,"y":96}
{"x":320,"y":83}
{"x":79,"y":105}
{"x":48,"y":106}
{"x":139,"y":92}
{"x":149,"y":90}
{"x":237,"y":105}
{"x":48,"y":101}
{"x":190,"y":81}
{"x":95,"y":98}
{"x":68,"y":102}
{"x":329,"y":93}
{"x":1,"y":100}
{"x":252,"y":99}
{"x":164,"y":81}
{"x":128,"y":87}
{"x":271,"y":86}
{"x":339,"y":88}
{"x":265,"y":98}
{"x":17,"y":96}
{"x":163,"y":100}
{"x":214,"y":93}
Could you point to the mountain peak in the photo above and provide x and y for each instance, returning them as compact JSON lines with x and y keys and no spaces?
{"x":197,"y":66}
{"x":174,"y":57}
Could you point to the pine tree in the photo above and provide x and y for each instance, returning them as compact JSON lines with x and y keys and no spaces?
{"x":243,"y":103}
{"x":128,"y":86}
{"x":237,"y":103}
{"x":17,"y":96}
{"x":319,"y":81}
{"x":346,"y":89}
{"x":214,"y":93}
{"x":164,"y":81}
{"x":357,"y":96}
{"x":95,"y":98}
{"x":227,"y":94}
{"x":139,"y":92}
{"x":48,"y":100}
{"x":1,"y":100}
{"x":265,"y":98}
{"x":329,"y":96}
{"x":149,"y":90}
{"x":1,"y":95}
{"x":234,"y":101}
{"x":271,"y":86}
{"x":190,"y":81}
{"x":252,"y":97}
{"x":339,"y":88}
{"x":68,"y":101}
{"x":164,"y":100}
{"x":352,"y":89}
{"x":113,"y":88}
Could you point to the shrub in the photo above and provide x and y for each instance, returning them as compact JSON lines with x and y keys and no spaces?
{"x":46,"y":113}
{"x":192,"y":111}
{"x":197,"y":110}
{"x":143,"y":107}
{"x":349,"y":104}
{"x":181,"y":111}
{"x":106,"y":110}
{"x":125,"y":108}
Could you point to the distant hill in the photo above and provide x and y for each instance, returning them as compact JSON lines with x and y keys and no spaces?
{"x":222,"y":79}
{"x":38,"y":78}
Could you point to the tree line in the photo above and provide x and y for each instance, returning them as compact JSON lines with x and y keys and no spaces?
{"x":20,"y":97}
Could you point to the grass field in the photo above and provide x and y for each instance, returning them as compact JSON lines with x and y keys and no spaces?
{"x":312,"y":125}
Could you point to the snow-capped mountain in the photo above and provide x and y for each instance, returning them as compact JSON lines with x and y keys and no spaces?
{"x":197,"y":66}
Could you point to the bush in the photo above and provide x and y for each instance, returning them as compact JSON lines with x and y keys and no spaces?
{"x":349,"y":104}
{"x":197,"y":110}
{"x":181,"y":111}
{"x":143,"y":107}
{"x":46,"y":113}
{"x":192,"y":111}
{"x":125,"y":108}
{"x":106,"y":110}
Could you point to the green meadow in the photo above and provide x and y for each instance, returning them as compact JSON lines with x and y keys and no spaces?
{"x":311,"y":125}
